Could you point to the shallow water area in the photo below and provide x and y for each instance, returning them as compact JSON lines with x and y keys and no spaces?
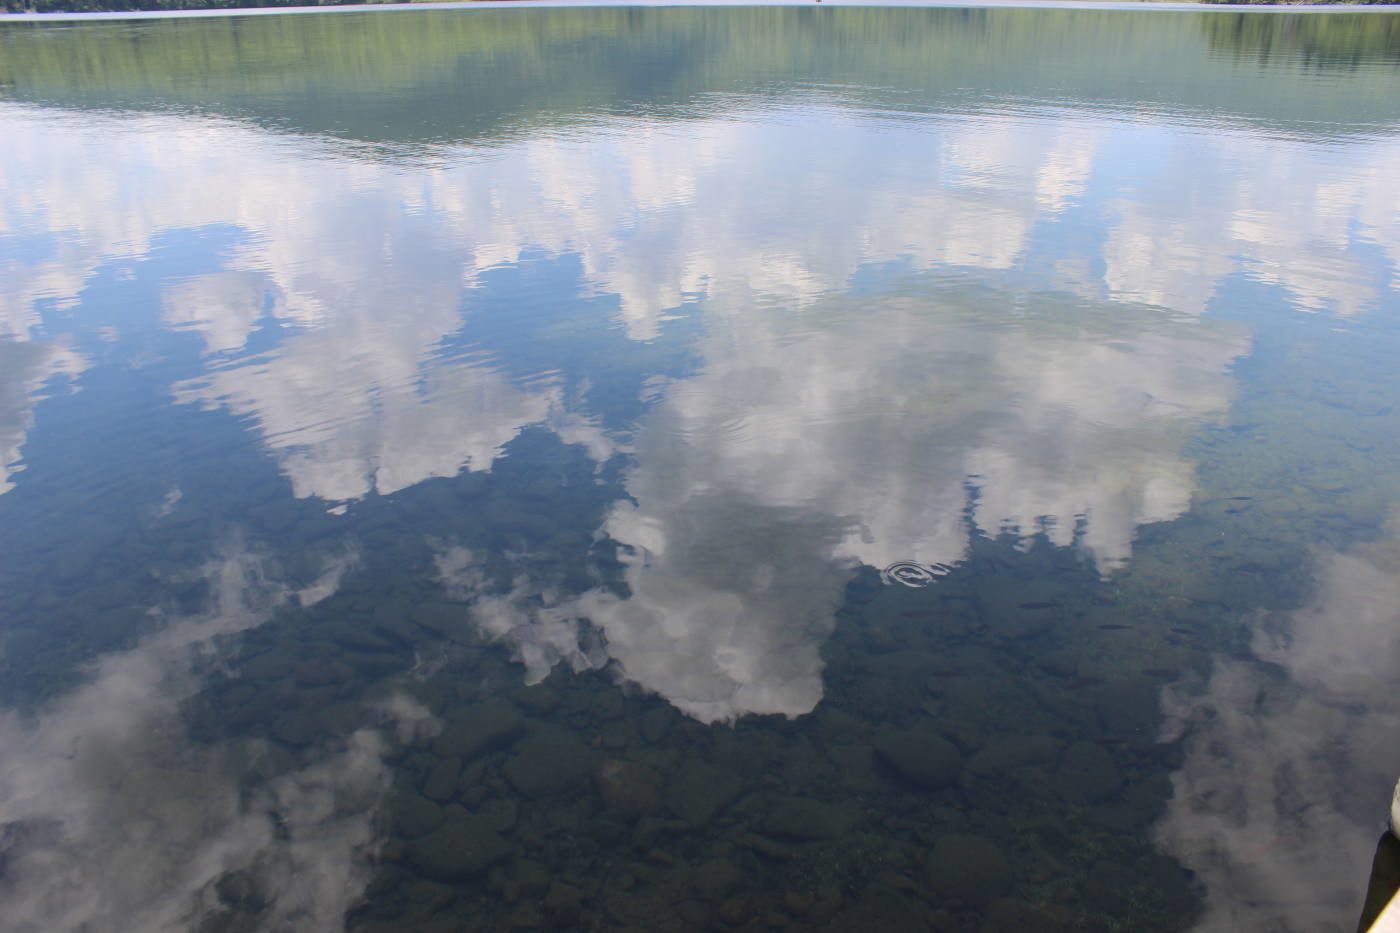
{"x":626,"y":468}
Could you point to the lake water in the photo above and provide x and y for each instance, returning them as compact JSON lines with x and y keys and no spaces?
{"x":699,"y":469}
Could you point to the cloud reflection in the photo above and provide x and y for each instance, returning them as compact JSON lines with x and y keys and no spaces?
{"x":535,"y":621}
{"x":933,"y":303}
{"x":729,"y":603}
{"x":373,"y":269}
{"x":111,"y":817}
{"x":757,"y":486}
{"x":1289,"y":767}
{"x":25,"y":367}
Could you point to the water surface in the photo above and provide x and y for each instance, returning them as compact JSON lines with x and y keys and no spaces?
{"x":687,"y":469}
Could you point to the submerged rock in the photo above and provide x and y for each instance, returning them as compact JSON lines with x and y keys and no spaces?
{"x":969,"y":869}
{"x":921,"y":757}
{"x":441,"y":782}
{"x":657,"y":723}
{"x":697,"y":793}
{"x":607,"y":706}
{"x":452,"y":621}
{"x":769,"y":848}
{"x":564,"y":901}
{"x":715,"y":879}
{"x":500,"y":814}
{"x":1012,"y":916}
{"x":319,"y":672}
{"x":414,"y":816}
{"x":1088,"y":774}
{"x":458,"y":849}
{"x":1015,"y":751}
{"x":631,"y":789}
{"x":476,"y":729}
{"x":1112,"y":887}
{"x":880,"y":908}
{"x":295,"y":728}
{"x":801,"y":818}
{"x":1129,"y":711}
{"x":855,"y":766}
{"x":548,"y":762}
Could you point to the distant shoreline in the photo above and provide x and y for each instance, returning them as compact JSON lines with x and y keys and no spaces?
{"x":13,"y":11}
{"x":1301,"y":2}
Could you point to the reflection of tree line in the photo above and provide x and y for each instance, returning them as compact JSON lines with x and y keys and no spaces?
{"x":484,"y":73}
{"x":93,"y":6}
{"x":1343,"y":41}
{"x":1310,"y":2}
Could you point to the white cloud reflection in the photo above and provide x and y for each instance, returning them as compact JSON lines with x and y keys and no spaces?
{"x":1044,"y":339}
{"x":537,"y":623}
{"x":370,"y":267}
{"x":25,"y":367}
{"x":729,"y":603}
{"x":113,"y":818}
{"x":1288,"y":772}
{"x":758,"y":486}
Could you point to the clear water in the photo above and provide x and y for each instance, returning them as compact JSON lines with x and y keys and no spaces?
{"x":698,"y":469}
